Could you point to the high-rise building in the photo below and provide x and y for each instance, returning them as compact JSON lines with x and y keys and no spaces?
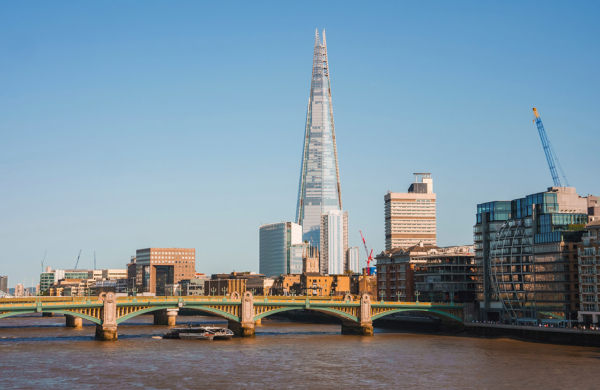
{"x":334,"y":242}
{"x":588,"y":251}
{"x":526,"y":250}
{"x":276,"y":240}
{"x":4,"y":284}
{"x":353,"y":260}
{"x":410,"y":217}
{"x":19,"y":290}
{"x":319,"y":190}
{"x":161,"y":267}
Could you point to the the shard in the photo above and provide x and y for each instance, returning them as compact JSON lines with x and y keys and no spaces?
{"x":319,"y":190}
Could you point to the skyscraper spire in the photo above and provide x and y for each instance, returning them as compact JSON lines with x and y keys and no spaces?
{"x":319,"y":190}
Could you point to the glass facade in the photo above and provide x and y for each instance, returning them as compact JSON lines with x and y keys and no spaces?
{"x":275,"y":244}
{"x":524,"y":248}
{"x":319,"y":189}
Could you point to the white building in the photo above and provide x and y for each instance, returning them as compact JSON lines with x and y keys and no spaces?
{"x":334,"y":242}
{"x":353,"y":260}
{"x":410,"y":218}
{"x":276,"y":240}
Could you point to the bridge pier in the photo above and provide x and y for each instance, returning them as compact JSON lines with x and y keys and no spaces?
{"x":107,"y":331}
{"x":244,"y":328}
{"x":355,"y":328}
{"x":364,"y":325}
{"x":73,"y":322}
{"x":166,"y":317}
{"x":241,"y":330}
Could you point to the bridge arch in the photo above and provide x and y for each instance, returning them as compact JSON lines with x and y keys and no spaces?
{"x":333,"y":312}
{"x":452,"y":316}
{"x":148,"y":310}
{"x":55,"y":311}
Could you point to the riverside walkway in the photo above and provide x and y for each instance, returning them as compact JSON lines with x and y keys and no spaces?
{"x":242,"y":312}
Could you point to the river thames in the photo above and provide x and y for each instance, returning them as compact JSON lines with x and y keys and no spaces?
{"x":41,"y":353}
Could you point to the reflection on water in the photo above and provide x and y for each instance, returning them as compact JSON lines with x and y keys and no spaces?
{"x":40,"y":352}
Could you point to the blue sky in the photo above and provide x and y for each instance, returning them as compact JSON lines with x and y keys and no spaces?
{"x":126,"y":125}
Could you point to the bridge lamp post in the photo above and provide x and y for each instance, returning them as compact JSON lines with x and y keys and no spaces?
{"x":431,"y":297}
{"x":224,"y":289}
{"x":213,"y":291}
{"x":253,"y":291}
{"x":417,"y":295}
{"x":398,"y":293}
{"x":381,"y":294}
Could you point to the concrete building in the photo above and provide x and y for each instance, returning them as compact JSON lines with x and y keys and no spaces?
{"x":593,"y":208}
{"x":194,"y":286}
{"x":410,"y":218}
{"x":113,"y":274}
{"x":588,"y":254}
{"x":4,"y":284}
{"x":526,"y":250}
{"x":353,"y":260}
{"x":158,"y":267}
{"x":260,"y":286}
{"x":95,"y":274}
{"x":49,"y":277}
{"x":275,"y":244}
{"x":447,"y":274}
{"x":334,"y":242}
{"x":19,"y":290}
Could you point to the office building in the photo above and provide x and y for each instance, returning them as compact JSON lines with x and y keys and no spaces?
{"x":334,"y":242}
{"x":410,"y":218}
{"x":276,"y":240}
{"x":48,"y":278}
{"x":319,"y":189}
{"x":4,"y":284}
{"x":353,"y":260}
{"x":527,"y":252}
{"x":95,"y":274}
{"x":157,"y":267}
{"x":19,"y":290}
{"x":588,"y":254}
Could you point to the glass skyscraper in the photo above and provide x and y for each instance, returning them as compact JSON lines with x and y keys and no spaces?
{"x":319,"y":189}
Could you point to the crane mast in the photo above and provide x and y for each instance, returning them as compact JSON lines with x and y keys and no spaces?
{"x":369,"y":255}
{"x":551,"y":156}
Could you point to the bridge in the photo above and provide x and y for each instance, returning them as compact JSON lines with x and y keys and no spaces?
{"x":108,"y":311}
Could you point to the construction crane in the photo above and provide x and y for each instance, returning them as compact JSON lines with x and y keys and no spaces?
{"x":551,"y":156}
{"x":76,"y":264}
{"x":369,"y":255}
{"x":44,"y":259}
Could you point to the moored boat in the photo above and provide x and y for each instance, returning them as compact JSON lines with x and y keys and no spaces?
{"x":199,"y":333}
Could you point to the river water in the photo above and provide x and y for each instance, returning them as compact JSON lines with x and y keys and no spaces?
{"x":40,"y":352}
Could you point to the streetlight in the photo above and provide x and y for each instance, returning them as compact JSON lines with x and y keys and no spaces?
{"x":381,"y":294}
{"x":213,"y":291}
{"x":431,"y":297}
{"x":398,"y":293}
{"x":224,"y":289}
{"x":417,"y":295}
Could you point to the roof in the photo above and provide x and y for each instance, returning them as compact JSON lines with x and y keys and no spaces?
{"x":593,"y":225}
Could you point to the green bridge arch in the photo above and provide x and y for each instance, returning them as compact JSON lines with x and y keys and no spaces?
{"x":417,"y":309}
{"x":211,"y":310}
{"x":56,"y":311}
{"x":327,"y":310}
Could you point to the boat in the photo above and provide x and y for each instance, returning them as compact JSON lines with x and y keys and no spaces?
{"x":199,"y":333}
